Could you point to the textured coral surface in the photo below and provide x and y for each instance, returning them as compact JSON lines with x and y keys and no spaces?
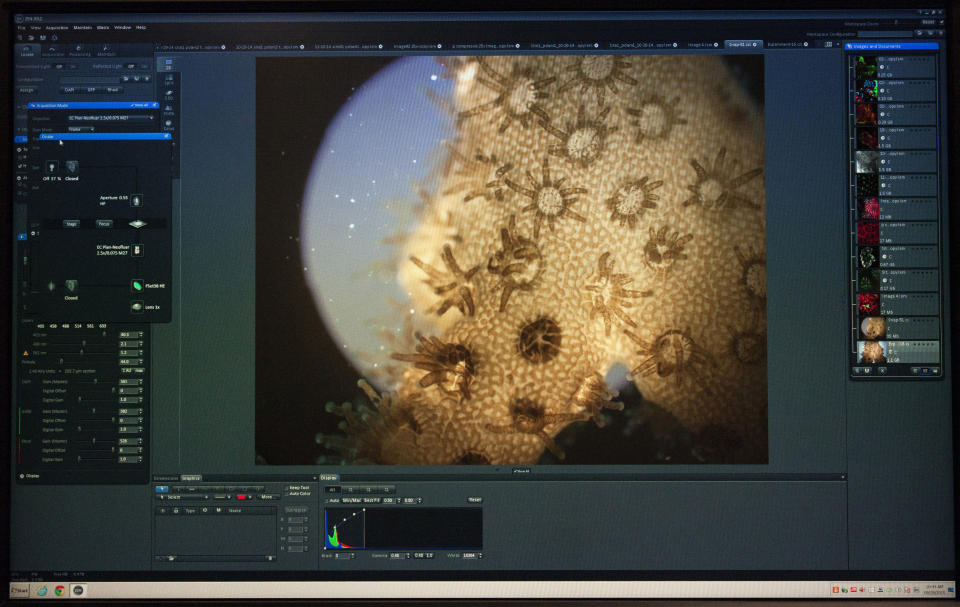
{"x":594,"y":211}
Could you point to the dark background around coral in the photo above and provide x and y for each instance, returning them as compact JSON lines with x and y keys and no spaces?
{"x":298,"y":366}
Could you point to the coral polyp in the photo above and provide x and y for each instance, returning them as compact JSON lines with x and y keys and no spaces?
{"x":632,"y":200}
{"x":449,"y":366}
{"x":748,"y":347}
{"x":599,"y":73}
{"x":583,"y":140}
{"x":539,"y":340}
{"x":655,"y":117}
{"x":518,"y":263}
{"x":550,"y":201}
{"x":572,"y":225}
{"x":480,"y":177}
{"x":663,"y":249}
{"x":529,"y":417}
{"x":753,"y":277}
{"x":608,"y":296}
{"x":387,"y":432}
{"x":519,"y":96}
{"x":718,"y":186}
{"x":673,"y":354}
{"x":453,"y":287}
{"x":593,"y":396}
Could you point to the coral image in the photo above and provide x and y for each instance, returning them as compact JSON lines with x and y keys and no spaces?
{"x":873,"y":352}
{"x":591,"y":236}
{"x":874,"y":327}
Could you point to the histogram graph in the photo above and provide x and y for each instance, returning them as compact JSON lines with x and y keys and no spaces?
{"x":403,"y":528}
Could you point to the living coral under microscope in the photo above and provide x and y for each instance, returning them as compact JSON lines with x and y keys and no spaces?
{"x":593,"y":213}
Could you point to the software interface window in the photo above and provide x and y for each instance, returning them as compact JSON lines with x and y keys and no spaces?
{"x":410,"y":304}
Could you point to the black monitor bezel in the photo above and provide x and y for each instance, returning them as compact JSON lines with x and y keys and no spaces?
{"x":426,"y":7}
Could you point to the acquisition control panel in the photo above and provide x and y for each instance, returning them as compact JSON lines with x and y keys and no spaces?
{"x":95,"y":141}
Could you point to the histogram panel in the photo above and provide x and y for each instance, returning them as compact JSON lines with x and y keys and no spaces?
{"x":404,"y":528}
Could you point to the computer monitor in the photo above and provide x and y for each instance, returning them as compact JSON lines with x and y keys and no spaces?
{"x":366,"y":302}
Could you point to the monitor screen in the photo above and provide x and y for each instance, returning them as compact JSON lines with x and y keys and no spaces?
{"x":536,"y":304}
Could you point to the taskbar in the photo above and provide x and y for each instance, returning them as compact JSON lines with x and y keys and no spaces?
{"x":544,"y":589}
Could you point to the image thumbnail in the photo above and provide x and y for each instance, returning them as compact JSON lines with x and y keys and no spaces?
{"x":501,"y":260}
{"x":868,"y":303}
{"x":866,"y":91}
{"x":868,"y":232}
{"x":867,"y":138}
{"x":866,"y":66}
{"x":868,"y":280}
{"x":873,"y":327}
{"x":868,"y":257}
{"x":867,"y":162}
{"x":867,"y":184}
{"x":873,"y":352}
{"x":870,"y":208}
{"x":867,"y":114}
